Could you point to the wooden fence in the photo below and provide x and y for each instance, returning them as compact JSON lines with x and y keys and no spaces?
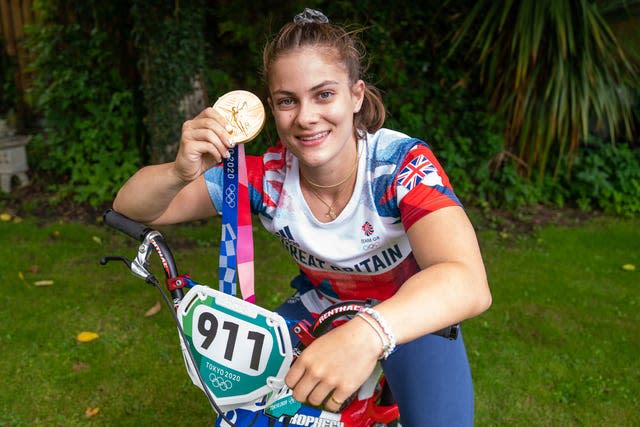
{"x":14,"y":15}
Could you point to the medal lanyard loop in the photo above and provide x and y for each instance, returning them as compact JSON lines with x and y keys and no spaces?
{"x":236,"y":241}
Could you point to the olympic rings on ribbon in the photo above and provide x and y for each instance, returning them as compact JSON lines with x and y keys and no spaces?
{"x":230,"y":196}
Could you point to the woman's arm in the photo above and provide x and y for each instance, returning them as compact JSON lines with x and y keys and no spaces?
{"x":452,"y":283}
{"x":176,"y":192}
{"x":153,"y":196}
{"x":451,"y":286}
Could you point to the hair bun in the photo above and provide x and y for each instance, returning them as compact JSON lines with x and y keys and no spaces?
{"x":310,"y":16}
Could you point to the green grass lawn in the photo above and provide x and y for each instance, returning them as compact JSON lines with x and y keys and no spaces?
{"x":559,"y":346}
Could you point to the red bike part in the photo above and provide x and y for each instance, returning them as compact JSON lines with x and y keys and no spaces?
{"x":369,"y":411}
{"x":178,"y":282}
{"x":303,"y":332}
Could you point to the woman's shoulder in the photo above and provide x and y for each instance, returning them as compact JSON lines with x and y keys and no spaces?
{"x":388,"y":145}
{"x":386,"y":136}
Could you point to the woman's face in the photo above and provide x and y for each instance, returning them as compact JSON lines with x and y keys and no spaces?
{"x":313,"y":104}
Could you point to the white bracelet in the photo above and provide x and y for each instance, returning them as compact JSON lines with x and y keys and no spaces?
{"x":375,"y":328}
{"x":390,"y":345}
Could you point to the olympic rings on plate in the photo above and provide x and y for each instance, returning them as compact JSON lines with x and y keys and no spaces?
{"x":218,"y":382}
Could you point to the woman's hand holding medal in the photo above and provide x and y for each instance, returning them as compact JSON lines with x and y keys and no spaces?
{"x":236,"y":118}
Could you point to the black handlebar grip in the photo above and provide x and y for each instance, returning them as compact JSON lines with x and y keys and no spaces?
{"x":450,"y":332}
{"x":128,"y":226}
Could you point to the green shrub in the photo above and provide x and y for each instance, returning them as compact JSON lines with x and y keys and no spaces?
{"x":89,"y":142}
{"x":169,"y":37}
{"x":607,"y":176}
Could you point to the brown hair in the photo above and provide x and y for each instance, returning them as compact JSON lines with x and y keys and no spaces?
{"x":345,"y":46}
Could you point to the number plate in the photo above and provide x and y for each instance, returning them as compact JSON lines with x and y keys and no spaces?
{"x":241,"y":350}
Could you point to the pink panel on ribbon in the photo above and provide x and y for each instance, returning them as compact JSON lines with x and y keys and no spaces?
{"x":245,"y":232}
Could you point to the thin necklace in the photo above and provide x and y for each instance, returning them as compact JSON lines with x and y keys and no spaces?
{"x":331,"y":213}
{"x":353,"y":170}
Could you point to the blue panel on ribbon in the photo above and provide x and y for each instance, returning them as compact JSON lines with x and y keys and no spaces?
{"x":228,"y":240}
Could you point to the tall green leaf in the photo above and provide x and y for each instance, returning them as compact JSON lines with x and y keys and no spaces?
{"x":555,"y":71}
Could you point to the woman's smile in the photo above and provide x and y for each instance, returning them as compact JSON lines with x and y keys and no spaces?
{"x":313,"y":139}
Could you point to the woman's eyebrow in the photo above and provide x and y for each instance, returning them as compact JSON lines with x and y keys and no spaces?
{"x":312,"y":89}
{"x":323,"y":84}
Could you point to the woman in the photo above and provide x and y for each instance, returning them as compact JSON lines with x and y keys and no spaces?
{"x":366,"y":212}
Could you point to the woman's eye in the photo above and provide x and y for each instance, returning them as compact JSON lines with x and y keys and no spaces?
{"x":285,"y":102}
{"x":325,"y":95}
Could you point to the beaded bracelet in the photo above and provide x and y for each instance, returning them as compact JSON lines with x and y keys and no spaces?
{"x":390,"y":343}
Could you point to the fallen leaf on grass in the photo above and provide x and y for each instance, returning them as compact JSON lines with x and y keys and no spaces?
{"x":97,"y":239}
{"x":629,"y":267}
{"x":91,"y":412}
{"x":5,"y":217}
{"x":153,"y":310}
{"x":21,"y":277}
{"x":43,"y":282}
{"x":80,"y":366}
{"x":87,"y":336}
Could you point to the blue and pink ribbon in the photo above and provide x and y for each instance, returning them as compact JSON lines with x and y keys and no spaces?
{"x":236,"y":242}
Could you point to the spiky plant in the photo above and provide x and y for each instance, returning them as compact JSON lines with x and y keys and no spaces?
{"x":555,"y":71}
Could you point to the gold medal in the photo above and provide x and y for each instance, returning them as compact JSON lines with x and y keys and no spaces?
{"x":244,"y":112}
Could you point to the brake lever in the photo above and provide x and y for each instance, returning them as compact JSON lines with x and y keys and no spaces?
{"x":133,"y":266}
{"x":107,"y":259}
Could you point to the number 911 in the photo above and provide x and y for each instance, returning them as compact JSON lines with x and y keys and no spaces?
{"x":230,"y":341}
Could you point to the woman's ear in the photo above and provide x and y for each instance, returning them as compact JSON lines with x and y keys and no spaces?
{"x":357,"y":94}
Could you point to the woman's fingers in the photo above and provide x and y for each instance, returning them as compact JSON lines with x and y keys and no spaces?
{"x":333,"y":403}
{"x":215,"y":120}
{"x":316,"y":389}
{"x":321,"y":395}
{"x":314,"y":379}
{"x":208,"y":128}
{"x":205,"y":141}
{"x":308,"y":386}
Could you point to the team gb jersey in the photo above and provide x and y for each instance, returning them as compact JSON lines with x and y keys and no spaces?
{"x":364,"y":252}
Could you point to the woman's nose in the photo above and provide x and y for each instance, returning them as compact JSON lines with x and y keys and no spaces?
{"x":307,"y":114}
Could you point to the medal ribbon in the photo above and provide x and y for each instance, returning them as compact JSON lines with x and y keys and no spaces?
{"x":236,"y":241}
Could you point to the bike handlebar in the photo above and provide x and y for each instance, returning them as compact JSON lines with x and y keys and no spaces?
{"x":151,"y":239}
{"x":140,"y":232}
{"x":128,"y":226}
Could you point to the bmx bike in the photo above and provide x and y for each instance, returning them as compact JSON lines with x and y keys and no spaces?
{"x":238,"y":353}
